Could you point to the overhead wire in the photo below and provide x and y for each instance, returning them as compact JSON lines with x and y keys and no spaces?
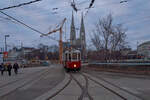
{"x":19,"y":5}
{"x":91,"y":6}
{"x":111,"y":3}
{"x":33,"y":29}
{"x":91,"y":3}
{"x":5,"y":18}
{"x":30,"y":3}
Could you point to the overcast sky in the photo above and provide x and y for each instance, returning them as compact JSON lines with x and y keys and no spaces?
{"x":134,"y":14}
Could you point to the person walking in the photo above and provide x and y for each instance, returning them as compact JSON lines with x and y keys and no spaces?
{"x":2,"y":68}
{"x":16,"y":67}
{"x":9,"y":67}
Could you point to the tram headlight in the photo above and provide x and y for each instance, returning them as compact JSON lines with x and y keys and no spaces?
{"x":75,"y":65}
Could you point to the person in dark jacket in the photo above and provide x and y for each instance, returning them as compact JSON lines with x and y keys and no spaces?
{"x":16,"y":67}
{"x":9,"y":67}
{"x":2,"y":68}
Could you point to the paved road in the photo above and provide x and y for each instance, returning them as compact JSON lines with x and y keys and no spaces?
{"x":30,"y":82}
{"x":134,"y":84}
{"x":52,"y":83}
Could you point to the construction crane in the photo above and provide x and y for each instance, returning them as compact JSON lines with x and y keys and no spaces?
{"x":58,"y":28}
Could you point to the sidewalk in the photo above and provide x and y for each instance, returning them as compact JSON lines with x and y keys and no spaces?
{"x":30,"y":82}
{"x":22,"y":72}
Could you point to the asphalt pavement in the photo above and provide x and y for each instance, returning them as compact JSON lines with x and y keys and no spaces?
{"x":53,"y":83}
{"x":30,"y":82}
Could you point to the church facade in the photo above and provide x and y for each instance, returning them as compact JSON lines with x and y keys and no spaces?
{"x":78,"y":43}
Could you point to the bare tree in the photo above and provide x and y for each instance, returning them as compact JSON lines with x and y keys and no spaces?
{"x":104,"y":31}
{"x":118,"y":38}
{"x":97,"y":41}
{"x":108,"y":37}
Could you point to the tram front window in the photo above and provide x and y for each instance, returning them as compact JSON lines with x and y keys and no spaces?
{"x":74,"y":56}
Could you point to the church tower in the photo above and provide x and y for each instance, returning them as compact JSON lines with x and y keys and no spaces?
{"x":72,"y":32}
{"x":82,"y":38}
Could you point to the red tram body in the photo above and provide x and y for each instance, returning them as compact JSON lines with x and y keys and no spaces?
{"x":72,"y":60}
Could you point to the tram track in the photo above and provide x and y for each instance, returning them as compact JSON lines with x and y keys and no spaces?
{"x":60,"y":90}
{"x":72,"y":78}
{"x":119,"y":87}
{"x":122,"y":97}
{"x":113,"y":85}
{"x":84,"y":81}
{"x":83,"y":88}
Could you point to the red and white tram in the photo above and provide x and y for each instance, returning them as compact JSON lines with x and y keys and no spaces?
{"x":72,"y":60}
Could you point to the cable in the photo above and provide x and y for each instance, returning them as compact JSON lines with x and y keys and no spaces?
{"x":19,"y":5}
{"x":26,"y":25}
{"x":1,"y":17}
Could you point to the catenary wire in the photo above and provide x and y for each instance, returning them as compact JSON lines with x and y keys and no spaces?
{"x":19,"y":5}
{"x":26,"y":25}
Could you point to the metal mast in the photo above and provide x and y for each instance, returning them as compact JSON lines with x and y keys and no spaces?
{"x":60,"y":39}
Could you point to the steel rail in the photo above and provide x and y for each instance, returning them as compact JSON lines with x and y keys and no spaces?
{"x":117,"y":87}
{"x":117,"y":94}
{"x":56,"y":93}
{"x":84,"y":89}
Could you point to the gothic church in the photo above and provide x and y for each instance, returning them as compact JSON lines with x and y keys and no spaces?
{"x":78,"y":43}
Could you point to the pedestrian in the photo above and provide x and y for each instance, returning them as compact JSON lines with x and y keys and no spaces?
{"x":2,"y":68}
{"x":9,"y":67}
{"x":16,"y":67}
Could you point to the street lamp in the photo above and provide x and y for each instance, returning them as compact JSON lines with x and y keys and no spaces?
{"x":6,"y":43}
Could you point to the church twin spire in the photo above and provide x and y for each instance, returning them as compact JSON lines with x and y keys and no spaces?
{"x":79,"y":43}
{"x":72,"y":31}
{"x":82,"y":31}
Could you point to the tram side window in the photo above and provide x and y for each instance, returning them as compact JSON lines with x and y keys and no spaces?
{"x":69,"y":57}
{"x":79,"y":56}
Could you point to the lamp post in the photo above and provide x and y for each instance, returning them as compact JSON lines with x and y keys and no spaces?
{"x":6,"y":43}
